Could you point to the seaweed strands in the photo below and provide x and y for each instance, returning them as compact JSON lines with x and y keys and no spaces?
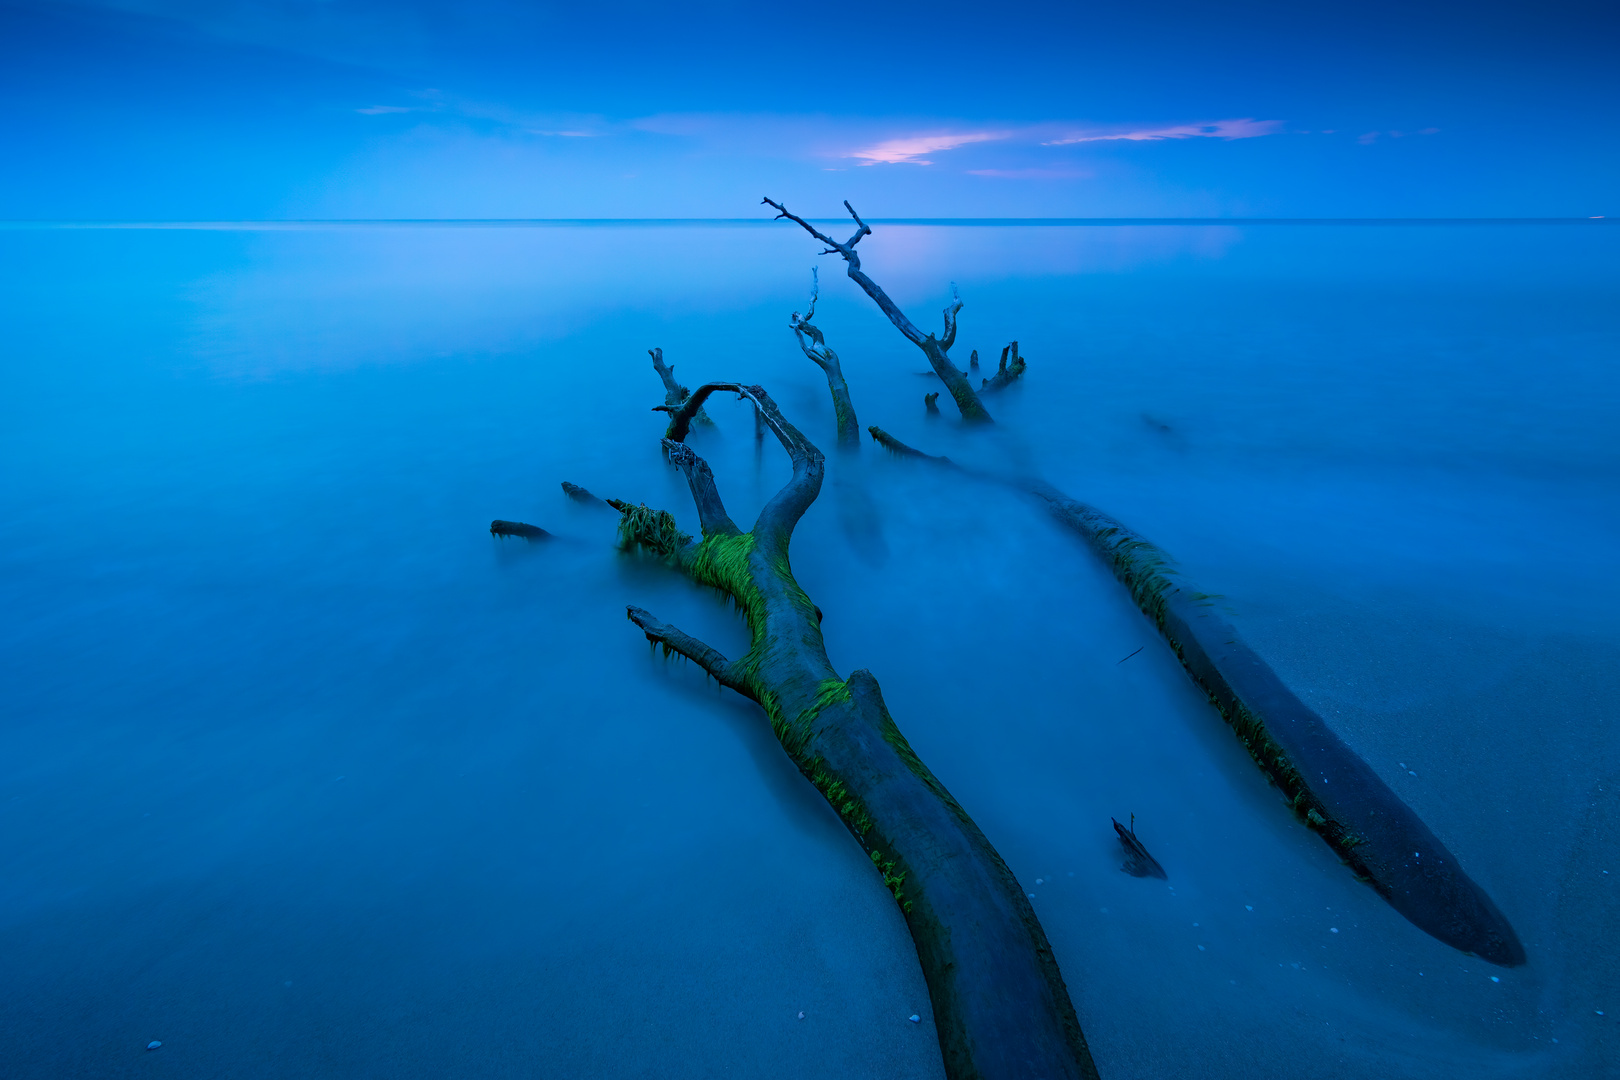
{"x":1328,"y":786}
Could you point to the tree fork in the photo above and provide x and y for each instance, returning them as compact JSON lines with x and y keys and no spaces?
{"x":1327,"y":784}
{"x":1000,"y":1005}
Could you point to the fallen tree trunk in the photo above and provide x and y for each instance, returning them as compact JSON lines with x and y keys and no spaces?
{"x":1330,"y":788}
{"x":1000,"y":1005}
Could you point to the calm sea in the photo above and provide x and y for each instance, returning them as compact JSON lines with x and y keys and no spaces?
{"x":303,"y":773}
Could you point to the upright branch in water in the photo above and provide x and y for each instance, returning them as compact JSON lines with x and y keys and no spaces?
{"x":1138,"y":863}
{"x":674,"y":392}
{"x":1000,"y":1005}
{"x":1012,"y":366}
{"x":815,"y":347}
{"x":1327,"y":784}
{"x":936,"y":349}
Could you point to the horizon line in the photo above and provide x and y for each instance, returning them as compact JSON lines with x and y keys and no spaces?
{"x":274,"y":223}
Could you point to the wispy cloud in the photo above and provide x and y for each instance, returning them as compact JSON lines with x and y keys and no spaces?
{"x":439,"y":103}
{"x":1372,"y":136}
{"x":1248,"y":128}
{"x":910,"y":150}
{"x":1059,"y":173}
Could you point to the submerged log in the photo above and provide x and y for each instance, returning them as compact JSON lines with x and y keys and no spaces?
{"x":1000,"y":1005}
{"x":1327,"y":784}
{"x":1138,"y":863}
{"x":580,"y":495}
{"x":517,"y":528}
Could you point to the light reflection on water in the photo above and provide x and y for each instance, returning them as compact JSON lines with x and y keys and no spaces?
{"x":281,"y":712}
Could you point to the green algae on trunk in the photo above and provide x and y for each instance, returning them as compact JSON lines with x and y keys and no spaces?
{"x":1001,"y":1009}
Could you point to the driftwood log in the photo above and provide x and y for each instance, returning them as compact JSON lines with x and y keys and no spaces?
{"x":1327,"y":784}
{"x":1000,"y":1006}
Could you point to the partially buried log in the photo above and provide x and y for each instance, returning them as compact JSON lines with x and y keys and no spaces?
{"x":580,"y":495}
{"x":1327,"y":784}
{"x":1000,"y":1005}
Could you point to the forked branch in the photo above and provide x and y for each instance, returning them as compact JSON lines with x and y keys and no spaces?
{"x":776,"y":521}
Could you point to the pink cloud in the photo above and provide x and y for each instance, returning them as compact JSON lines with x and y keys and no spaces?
{"x":910,"y":150}
{"x":1248,"y":128}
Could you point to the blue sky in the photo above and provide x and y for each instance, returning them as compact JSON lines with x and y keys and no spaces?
{"x":185,"y":109}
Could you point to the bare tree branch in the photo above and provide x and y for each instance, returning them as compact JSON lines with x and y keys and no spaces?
{"x":675,"y":640}
{"x":846,"y":249}
{"x":962,"y":392}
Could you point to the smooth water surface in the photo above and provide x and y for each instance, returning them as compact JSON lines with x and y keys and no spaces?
{"x":305,"y":774}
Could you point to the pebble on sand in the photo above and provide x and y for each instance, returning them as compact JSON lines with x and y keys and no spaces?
{"x":801,"y":1016}
{"x":914,"y":1018}
{"x":153,"y":1045}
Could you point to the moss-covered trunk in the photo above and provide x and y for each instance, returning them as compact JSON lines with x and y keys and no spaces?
{"x":1327,"y":784}
{"x":1000,"y":1005}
